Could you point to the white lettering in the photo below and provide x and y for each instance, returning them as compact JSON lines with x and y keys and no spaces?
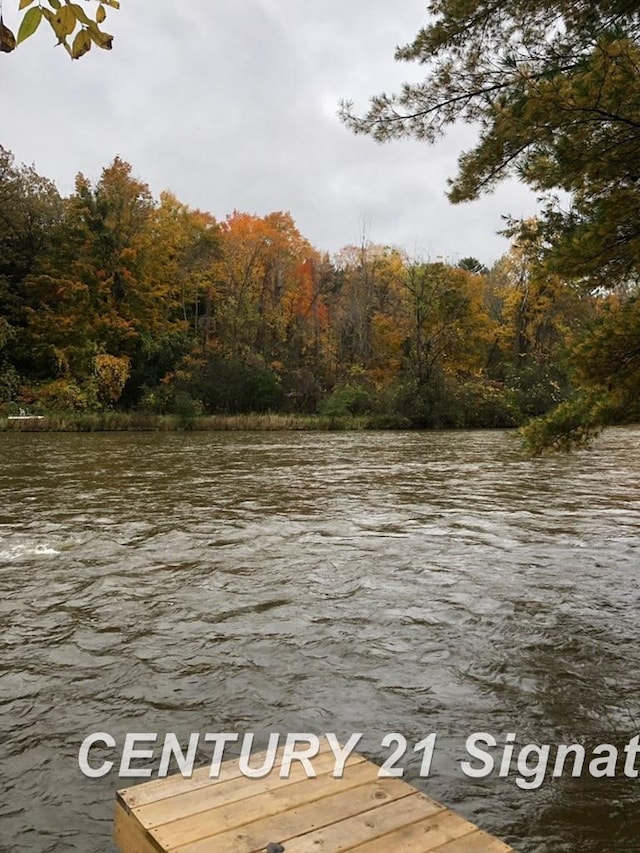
{"x":475,"y":752}
{"x":130,"y":753}
{"x":83,"y":754}
{"x":292,"y":753}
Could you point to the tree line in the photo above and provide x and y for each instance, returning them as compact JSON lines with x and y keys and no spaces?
{"x":110,"y":298}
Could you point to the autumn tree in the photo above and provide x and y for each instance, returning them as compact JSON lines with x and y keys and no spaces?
{"x":31,"y":211}
{"x":449,"y":333}
{"x":447,"y":318}
{"x":109,"y":298}
{"x":99,"y":292}
{"x":408,"y":338}
{"x":186,"y":250}
{"x":263,"y":318}
{"x":182,"y":247}
{"x":542,"y":315}
{"x":358,"y":271}
{"x":260,"y":276}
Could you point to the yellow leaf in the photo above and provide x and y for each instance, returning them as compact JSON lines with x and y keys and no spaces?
{"x":64,"y":22}
{"x":81,"y":44}
{"x":103,"y":40}
{"x":25,"y":3}
{"x":100,"y":14}
{"x":80,"y":14}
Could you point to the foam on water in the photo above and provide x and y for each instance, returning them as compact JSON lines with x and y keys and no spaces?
{"x":26,"y":550}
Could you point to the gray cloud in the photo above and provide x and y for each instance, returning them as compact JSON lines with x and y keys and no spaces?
{"x":232,"y":105}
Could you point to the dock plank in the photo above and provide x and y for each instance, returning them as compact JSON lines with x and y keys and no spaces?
{"x":266,"y":804}
{"x":282,"y":827}
{"x":171,"y":786}
{"x":232,"y":791}
{"x":360,"y":811}
{"x":421,"y":836}
{"x":477,"y":842}
{"x":377,"y":823}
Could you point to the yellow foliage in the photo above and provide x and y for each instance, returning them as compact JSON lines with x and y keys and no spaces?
{"x":111,"y":373}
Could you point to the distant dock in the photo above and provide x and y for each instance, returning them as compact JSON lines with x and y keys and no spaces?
{"x":234,"y":814}
{"x":23,"y":416}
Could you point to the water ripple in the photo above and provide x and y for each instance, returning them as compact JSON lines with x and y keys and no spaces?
{"x":318,"y":582}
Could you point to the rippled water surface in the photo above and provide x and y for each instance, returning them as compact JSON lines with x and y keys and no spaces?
{"x":314,"y":582}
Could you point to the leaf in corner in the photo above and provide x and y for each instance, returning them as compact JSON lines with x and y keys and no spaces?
{"x":7,"y":38}
{"x":24,"y":4}
{"x":29,"y":24}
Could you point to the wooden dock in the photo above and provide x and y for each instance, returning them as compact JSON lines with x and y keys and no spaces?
{"x":235,"y":814}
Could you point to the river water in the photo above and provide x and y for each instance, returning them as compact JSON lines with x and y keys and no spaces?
{"x":320,"y":582}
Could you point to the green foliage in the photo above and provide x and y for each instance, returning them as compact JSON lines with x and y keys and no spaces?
{"x":346,"y":400}
{"x":572,"y":424}
{"x":72,"y":26}
{"x":606,"y":365}
{"x":153,"y":357}
{"x":60,"y":395}
{"x":484,"y":405}
{"x":10,"y":382}
{"x":186,"y":408}
{"x":231,"y":386}
{"x":449,"y":402}
{"x":471,"y":264}
{"x":608,"y":356}
{"x":535,"y":387}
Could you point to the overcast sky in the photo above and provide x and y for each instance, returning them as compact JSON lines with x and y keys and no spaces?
{"x":232,"y":105}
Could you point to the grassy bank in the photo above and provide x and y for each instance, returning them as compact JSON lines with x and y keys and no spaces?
{"x":144,"y":422}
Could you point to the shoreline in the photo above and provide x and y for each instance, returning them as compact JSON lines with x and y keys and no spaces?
{"x":146,"y":422}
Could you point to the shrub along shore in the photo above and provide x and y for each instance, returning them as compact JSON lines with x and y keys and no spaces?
{"x":148,"y":422}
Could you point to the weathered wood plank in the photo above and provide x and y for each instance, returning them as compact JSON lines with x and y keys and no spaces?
{"x":255,"y":836}
{"x":170,"y":786}
{"x":421,"y":836}
{"x":377,"y":823}
{"x":477,"y":842}
{"x":263,"y":805}
{"x":359,"y":812}
{"x":128,"y":835}
{"x":230,"y":791}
